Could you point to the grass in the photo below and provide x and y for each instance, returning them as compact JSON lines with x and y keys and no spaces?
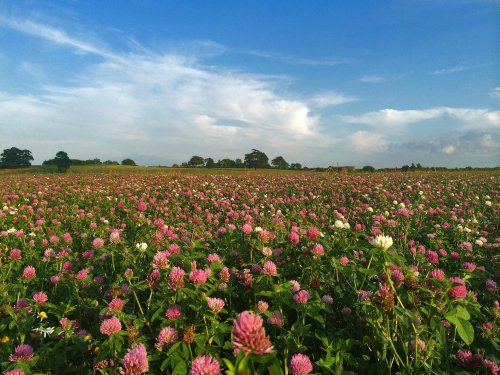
{"x":123,"y":169}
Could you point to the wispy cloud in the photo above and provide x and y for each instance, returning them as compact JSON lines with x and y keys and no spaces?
{"x":458,"y":69}
{"x":56,"y":36}
{"x":448,"y":144}
{"x":330,"y":99}
{"x":395,"y":120}
{"x":368,"y":142}
{"x":167,"y":103}
{"x":495,"y":93}
{"x":371,"y":78}
{"x":319,"y":61}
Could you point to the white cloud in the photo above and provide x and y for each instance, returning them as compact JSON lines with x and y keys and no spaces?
{"x":319,"y":61}
{"x":368,"y":142}
{"x":393,"y":120}
{"x":495,"y":93}
{"x":468,"y":142}
{"x":169,"y":104}
{"x":330,"y":99}
{"x":455,"y":69}
{"x":55,"y":36}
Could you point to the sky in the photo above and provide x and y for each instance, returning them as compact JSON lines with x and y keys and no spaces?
{"x":319,"y":82}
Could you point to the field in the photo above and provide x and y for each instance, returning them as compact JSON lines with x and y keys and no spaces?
{"x":249,"y":272}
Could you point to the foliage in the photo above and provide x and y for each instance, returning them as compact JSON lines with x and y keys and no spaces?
{"x":129,"y":162}
{"x":15,"y":158}
{"x":280,"y":162}
{"x":93,"y":266}
{"x":210,"y":163}
{"x":368,"y":168}
{"x":196,"y":161}
{"x":256,"y":159}
{"x":62,"y":161}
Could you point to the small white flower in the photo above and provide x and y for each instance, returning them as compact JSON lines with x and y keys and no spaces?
{"x":488,"y":203}
{"x":382,"y":242}
{"x":258,"y":229}
{"x":267,"y":252}
{"x":479,"y":243}
{"x":141,"y":246}
{"x":347,"y":226}
{"x":339,"y":224}
{"x":369,"y":209}
{"x":402,"y":205}
{"x":47,"y":331}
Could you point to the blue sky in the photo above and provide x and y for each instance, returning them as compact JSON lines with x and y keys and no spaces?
{"x":382,"y":83}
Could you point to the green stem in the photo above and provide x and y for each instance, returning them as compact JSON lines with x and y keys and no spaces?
{"x":138,"y":303}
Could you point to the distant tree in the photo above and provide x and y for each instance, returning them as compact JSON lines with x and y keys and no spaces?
{"x":405,"y":168}
{"x":129,"y":162}
{"x":280,"y":162}
{"x":238,"y":163}
{"x":15,"y":158}
{"x":256,"y":159}
{"x":196,"y":161}
{"x":62,"y":161}
{"x":209,"y":163}
{"x":296,"y":166}
{"x":368,"y":168}
{"x":227,"y":163}
{"x":110,"y":162}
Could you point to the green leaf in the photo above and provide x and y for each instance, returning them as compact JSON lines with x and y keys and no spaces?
{"x":180,"y":368}
{"x":462,"y":313}
{"x":465,"y":331}
{"x":275,"y":368}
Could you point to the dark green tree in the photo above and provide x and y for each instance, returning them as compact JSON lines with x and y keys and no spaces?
{"x":296,"y":166}
{"x":129,"y":162}
{"x":62,"y":161}
{"x":256,"y":159}
{"x":15,"y":158}
{"x":209,"y":163}
{"x":238,"y":163}
{"x":226,"y":163}
{"x":368,"y":168}
{"x":196,"y":161}
{"x":280,"y":162}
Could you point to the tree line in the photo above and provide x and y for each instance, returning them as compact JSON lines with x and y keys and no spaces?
{"x":254,"y":159}
{"x":12,"y":158}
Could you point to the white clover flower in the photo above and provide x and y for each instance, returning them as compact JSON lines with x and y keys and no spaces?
{"x":369,"y":209}
{"x":479,"y":243}
{"x":402,"y":205}
{"x":382,"y":242}
{"x":488,"y":203}
{"x":347,"y":226}
{"x":11,"y":230}
{"x":339,"y":224}
{"x":258,"y":229}
{"x":141,"y":246}
{"x":267,"y":252}
{"x":47,"y":331}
